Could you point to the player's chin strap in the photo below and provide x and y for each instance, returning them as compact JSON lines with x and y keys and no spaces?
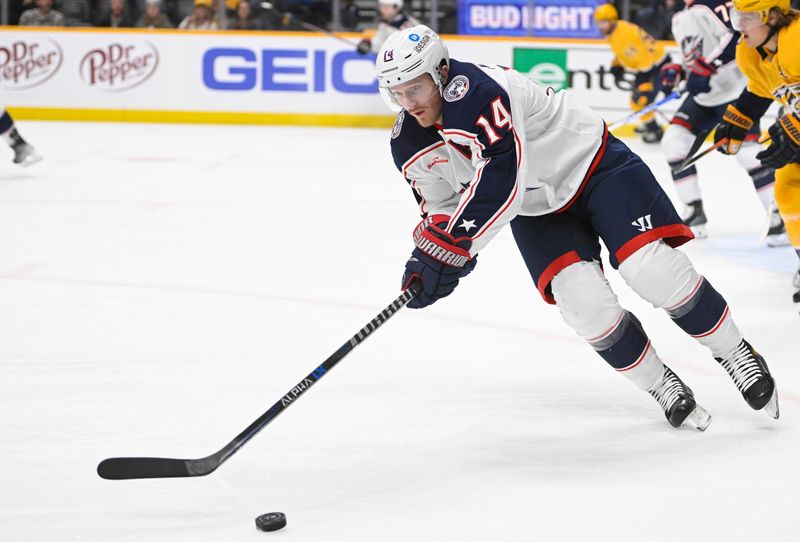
{"x":772,"y":31}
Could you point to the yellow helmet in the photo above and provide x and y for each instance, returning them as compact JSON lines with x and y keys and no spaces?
{"x":762,"y":7}
{"x":606,"y":12}
{"x":205,"y":3}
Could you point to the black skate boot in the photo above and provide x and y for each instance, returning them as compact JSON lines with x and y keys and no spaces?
{"x":677,"y":401}
{"x":751,"y":375}
{"x":695,"y":218}
{"x":776,"y":234}
{"x":653,"y":132}
{"x":24,"y":153}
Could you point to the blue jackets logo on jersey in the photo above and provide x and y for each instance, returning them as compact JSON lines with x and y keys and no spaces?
{"x":398,"y":125}
{"x":457,"y":88}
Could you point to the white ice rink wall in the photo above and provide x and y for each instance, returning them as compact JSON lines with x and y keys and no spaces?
{"x":251,"y":77}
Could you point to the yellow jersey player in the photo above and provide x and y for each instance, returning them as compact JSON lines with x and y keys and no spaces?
{"x":636,"y":51}
{"x":769,"y":55}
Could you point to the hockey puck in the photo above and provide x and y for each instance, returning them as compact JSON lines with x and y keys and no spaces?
{"x":271,"y":521}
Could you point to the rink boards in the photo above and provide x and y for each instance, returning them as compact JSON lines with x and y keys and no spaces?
{"x":252,"y":77}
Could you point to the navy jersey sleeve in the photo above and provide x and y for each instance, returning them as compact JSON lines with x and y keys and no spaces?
{"x":483,"y":118}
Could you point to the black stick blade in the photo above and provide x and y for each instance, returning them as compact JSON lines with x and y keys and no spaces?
{"x":128,"y":468}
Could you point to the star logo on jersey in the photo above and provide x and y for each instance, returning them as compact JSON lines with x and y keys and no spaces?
{"x":457,"y":88}
{"x":467,"y":225}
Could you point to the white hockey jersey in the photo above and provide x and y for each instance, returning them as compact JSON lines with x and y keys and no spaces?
{"x":704,"y":29}
{"x":506,"y":147}
{"x":400,"y":22}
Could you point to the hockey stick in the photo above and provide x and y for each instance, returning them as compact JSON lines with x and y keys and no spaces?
{"x":696,"y":144}
{"x":126,"y":468}
{"x":689,"y":161}
{"x":308,"y":26}
{"x":674,"y":95}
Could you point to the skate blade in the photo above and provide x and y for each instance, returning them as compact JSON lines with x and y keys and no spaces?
{"x":699,"y":231}
{"x":30,"y":160}
{"x":700,"y":419}
{"x":772,"y":408}
{"x":778,"y":240}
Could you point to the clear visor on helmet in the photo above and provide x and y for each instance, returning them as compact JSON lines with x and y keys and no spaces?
{"x":744,"y":21}
{"x":411,"y":94}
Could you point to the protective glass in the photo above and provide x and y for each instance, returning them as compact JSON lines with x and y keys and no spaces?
{"x":744,"y":21}
{"x":411,"y":94}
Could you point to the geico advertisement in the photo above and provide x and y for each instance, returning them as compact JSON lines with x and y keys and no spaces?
{"x":263,"y":73}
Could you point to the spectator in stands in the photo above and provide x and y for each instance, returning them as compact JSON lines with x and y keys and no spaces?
{"x":116,"y":16}
{"x":202,"y":18}
{"x":153,"y":18}
{"x":243,"y":18}
{"x":656,"y":18}
{"x":349,"y":15}
{"x":392,"y":19}
{"x":42,"y":15}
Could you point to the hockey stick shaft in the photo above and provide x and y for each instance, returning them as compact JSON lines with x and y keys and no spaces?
{"x":126,"y":468}
{"x":690,"y":161}
{"x":674,"y":95}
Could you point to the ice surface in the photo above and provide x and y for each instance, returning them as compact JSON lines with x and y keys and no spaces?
{"x":161,"y":286}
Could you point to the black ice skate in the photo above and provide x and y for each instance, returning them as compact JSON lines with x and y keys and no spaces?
{"x":24,"y":153}
{"x":751,"y":375}
{"x":677,"y":401}
{"x":652,"y":133}
{"x":696,"y":219}
{"x":776,"y":232}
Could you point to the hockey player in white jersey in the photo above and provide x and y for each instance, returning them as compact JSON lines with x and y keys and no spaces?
{"x":392,"y":19}
{"x":713,"y":80}
{"x":24,"y":153}
{"x":485,"y":147}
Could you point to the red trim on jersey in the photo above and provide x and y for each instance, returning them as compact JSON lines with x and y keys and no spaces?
{"x":595,"y":162}
{"x":459,"y":148}
{"x":421,"y":197}
{"x":674,"y":235}
{"x":716,"y":327}
{"x":555,"y":267}
{"x":419,"y":155}
{"x":475,"y":178}
{"x":680,"y":122}
{"x":511,"y":197}
{"x":638,"y":361}
{"x":410,"y":162}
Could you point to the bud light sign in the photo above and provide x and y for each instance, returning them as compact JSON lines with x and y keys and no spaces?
{"x":535,"y":18}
